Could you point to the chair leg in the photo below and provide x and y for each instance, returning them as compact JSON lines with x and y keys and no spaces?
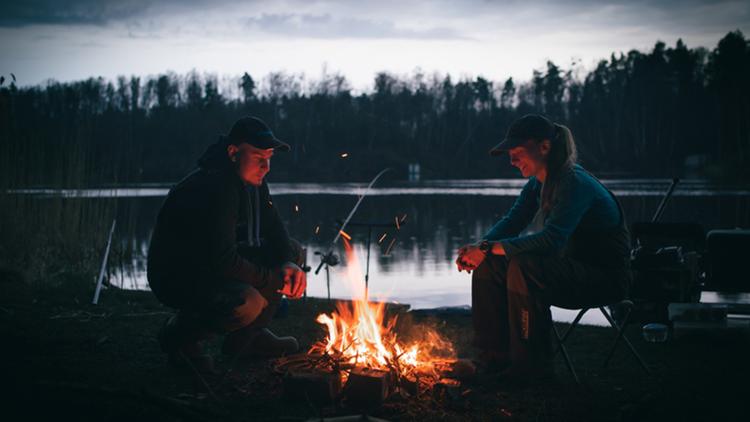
{"x":621,"y":336}
{"x":574,"y":323}
{"x":561,"y":348}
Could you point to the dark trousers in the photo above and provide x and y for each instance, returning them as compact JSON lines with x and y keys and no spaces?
{"x":228,"y":306}
{"x":511,"y":301}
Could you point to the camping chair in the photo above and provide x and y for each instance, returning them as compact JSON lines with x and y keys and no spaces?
{"x":627,"y":307}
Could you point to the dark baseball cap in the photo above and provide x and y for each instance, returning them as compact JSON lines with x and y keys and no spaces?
{"x":253,"y":131}
{"x":530,"y":126}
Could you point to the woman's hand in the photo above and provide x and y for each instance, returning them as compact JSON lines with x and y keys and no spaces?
{"x":469,"y":258}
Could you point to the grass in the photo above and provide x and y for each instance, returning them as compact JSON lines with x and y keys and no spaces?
{"x":62,"y":356}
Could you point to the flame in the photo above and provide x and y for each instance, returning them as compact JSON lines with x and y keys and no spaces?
{"x":359,"y":334}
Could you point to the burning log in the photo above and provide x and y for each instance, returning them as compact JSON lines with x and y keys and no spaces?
{"x":448,"y":390}
{"x":318,"y":387}
{"x":366,"y":387}
{"x":410,"y":385}
{"x":363,"y":352}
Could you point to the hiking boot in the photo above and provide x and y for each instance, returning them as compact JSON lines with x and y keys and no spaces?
{"x":258,"y":342}
{"x":184,"y":351}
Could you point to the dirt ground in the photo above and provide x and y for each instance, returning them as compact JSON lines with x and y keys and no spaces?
{"x":63,"y":358}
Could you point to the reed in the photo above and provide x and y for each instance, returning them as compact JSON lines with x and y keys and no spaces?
{"x":43,"y":236}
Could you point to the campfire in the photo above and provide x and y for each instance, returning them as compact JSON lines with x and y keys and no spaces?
{"x":362,"y":356}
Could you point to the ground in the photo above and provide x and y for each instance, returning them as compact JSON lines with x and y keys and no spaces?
{"x":65,"y":358}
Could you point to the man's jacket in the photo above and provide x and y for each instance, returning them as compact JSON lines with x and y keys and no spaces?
{"x":201,"y":234}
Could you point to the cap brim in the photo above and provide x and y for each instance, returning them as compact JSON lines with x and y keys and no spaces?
{"x":505,"y":146}
{"x":269,"y":143}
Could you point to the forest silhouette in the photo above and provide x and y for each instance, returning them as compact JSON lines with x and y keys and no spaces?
{"x":672,"y":111}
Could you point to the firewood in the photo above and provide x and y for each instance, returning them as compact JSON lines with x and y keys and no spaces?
{"x":316,"y":386}
{"x":366,"y":387}
{"x":410,"y":385}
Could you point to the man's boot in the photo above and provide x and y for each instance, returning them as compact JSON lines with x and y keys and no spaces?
{"x":253,"y":342}
{"x":183,"y":346}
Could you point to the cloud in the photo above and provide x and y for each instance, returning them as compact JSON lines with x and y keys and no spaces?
{"x":327,"y":27}
{"x":73,"y":12}
{"x":388,"y":19}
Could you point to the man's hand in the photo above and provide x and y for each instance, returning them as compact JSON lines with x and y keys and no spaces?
{"x":295,"y":281}
{"x":469,"y":258}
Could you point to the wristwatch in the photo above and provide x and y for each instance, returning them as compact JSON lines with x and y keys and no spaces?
{"x":485,"y":246}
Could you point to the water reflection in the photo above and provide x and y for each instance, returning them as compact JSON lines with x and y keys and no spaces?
{"x":441,"y":216}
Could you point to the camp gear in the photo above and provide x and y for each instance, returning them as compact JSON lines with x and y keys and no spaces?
{"x":726,"y":254}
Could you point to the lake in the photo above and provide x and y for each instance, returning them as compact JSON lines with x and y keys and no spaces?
{"x":440,"y":215}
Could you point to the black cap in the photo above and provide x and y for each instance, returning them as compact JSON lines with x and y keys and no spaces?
{"x":253,"y":131}
{"x":530,"y":126}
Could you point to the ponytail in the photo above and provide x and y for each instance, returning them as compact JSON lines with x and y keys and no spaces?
{"x":563,"y":155}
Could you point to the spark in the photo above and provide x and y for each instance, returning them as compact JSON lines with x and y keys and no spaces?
{"x":382,"y":237}
{"x":398,"y":225}
{"x":317,"y":229}
{"x":344,"y":154}
{"x":390,"y":246}
{"x":296,"y":208}
{"x":345,"y":235}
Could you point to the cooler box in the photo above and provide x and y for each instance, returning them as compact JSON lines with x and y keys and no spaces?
{"x":728,"y":261}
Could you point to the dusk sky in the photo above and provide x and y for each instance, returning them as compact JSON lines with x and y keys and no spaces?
{"x":70,"y":40}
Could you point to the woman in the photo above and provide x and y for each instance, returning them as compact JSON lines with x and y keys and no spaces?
{"x":564,"y":243}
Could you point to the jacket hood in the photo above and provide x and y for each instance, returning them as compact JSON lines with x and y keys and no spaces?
{"x":215,"y":157}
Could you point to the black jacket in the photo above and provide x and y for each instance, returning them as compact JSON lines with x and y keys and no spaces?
{"x":200,"y":237}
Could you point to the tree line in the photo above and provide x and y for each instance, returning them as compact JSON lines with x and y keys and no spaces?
{"x":671,"y":111}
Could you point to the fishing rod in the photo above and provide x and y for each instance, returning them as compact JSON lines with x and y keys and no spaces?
{"x":664,"y":200}
{"x":397,"y":223}
{"x":326,"y":258}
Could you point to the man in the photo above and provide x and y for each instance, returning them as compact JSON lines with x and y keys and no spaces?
{"x":220,"y":254}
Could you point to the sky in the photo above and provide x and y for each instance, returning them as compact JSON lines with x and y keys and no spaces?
{"x":77,"y":39}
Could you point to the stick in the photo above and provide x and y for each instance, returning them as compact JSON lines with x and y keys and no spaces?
{"x":104,"y":264}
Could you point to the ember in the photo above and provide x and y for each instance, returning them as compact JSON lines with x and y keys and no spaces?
{"x":363,"y":353}
{"x":362,"y":338}
{"x":390,"y":246}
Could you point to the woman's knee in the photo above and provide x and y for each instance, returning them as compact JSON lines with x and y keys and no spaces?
{"x":523,"y":269}
{"x":491,"y":266}
{"x":489,"y":276}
